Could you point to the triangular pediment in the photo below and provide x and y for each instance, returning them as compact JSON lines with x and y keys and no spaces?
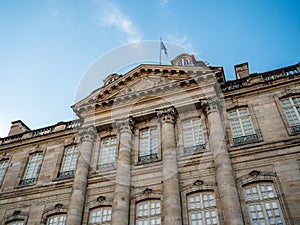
{"x":143,"y":78}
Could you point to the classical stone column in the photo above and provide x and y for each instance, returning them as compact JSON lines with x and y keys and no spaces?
{"x":120,"y":207}
{"x":171,"y":192}
{"x":76,"y":206}
{"x":227,"y":188}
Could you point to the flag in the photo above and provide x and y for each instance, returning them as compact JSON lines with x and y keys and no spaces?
{"x":163,"y":47}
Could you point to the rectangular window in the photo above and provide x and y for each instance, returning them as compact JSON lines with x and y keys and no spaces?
{"x":108,"y":149}
{"x":263,"y":204}
{"x":69,"y":162}
{"x":242,"y":127}
{"x":3,"y":168}
{"x":192,"y":135}
{"x":148,"y":144}
{"x":291,"y":108}
{"x":32,"y":169}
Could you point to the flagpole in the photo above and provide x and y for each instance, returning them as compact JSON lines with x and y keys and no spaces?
{"x":160,"y":52}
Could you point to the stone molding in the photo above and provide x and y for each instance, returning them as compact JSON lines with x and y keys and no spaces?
{"x":167,"y":115}
{"x":87,"y":134}
{"x":125,"y":124}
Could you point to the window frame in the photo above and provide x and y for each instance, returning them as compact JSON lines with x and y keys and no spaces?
{"x":196,"y":147}
{"x":243,"y":139}
{"x":150,"y":156}
{"x":32,"y":180}
{"x":202,"y":210}
{"x":56,"y":215}
{"x":64,"y":174}
{"x":3,"y":170}
{"x":148,"y":218}
{"x":109,"y":163}
{"x":101,"y":208}
{"x":282,"y":111}
{"x":15,"y":222}
{"x":262,"y":201}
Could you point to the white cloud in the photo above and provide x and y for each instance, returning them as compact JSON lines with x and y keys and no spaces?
{"x":182,"y":41}
{"x":109,"y":14}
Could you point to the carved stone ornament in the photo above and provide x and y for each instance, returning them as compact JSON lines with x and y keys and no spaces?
{"x":198,"y":183}
{"x":147,"y":191}
{"x":125,"y":124}
{"x":167,"y":114}
{"x":101,"y":198}
{"x":210,"y":105}
{"x":87,"y":134}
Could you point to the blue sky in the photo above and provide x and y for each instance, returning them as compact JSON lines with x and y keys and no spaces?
{"x":47,"y":46}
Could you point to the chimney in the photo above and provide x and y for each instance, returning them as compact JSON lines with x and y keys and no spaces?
{"x":17,"y":127}
{"x":241,"y":70}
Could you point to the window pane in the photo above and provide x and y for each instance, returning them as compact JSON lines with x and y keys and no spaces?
{"x":202,"y":208}
{"x":108,"y":149}
{"x":100,"y":215}
{"x":3,"y":167}
{"x":148,"y":144}
{"x":291,"y":107}
{"x":59,"y":219}
{"x":148,"y":212}
{"x":69,"y":160}
{"x":33,"y":165}
{"x":265,"y":208}
{"x":241,"y":124}
{"x":192,"y":134}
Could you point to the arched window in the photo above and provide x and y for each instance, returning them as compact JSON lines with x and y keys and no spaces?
{"x":101,"y":215}
{"x":263,"y":205}
{"x":16,"y":222}
{"x":148,"y":212}
{"x":291,"y":107}
{"x":57,"y":219}
{"x":202,"y":208}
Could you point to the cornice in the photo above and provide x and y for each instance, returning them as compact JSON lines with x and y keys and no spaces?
{"x":113,"y":93}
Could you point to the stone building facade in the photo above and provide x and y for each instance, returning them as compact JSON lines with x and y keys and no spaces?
{"x":163,"y":144}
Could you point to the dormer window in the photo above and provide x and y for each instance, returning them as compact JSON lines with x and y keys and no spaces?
{"x":184,"y":62}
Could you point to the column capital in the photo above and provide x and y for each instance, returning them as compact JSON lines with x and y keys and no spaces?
{"x":125,"y":124}
{"x":209,"y":105}
{"x":167,"y":114}
{"x":87,"y":134}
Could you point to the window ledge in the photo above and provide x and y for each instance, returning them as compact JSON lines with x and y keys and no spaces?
{"x":106,"y":166}
{"x":27,"y":183}
{"x":245,"y":140}
{"x":194,"y":149}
